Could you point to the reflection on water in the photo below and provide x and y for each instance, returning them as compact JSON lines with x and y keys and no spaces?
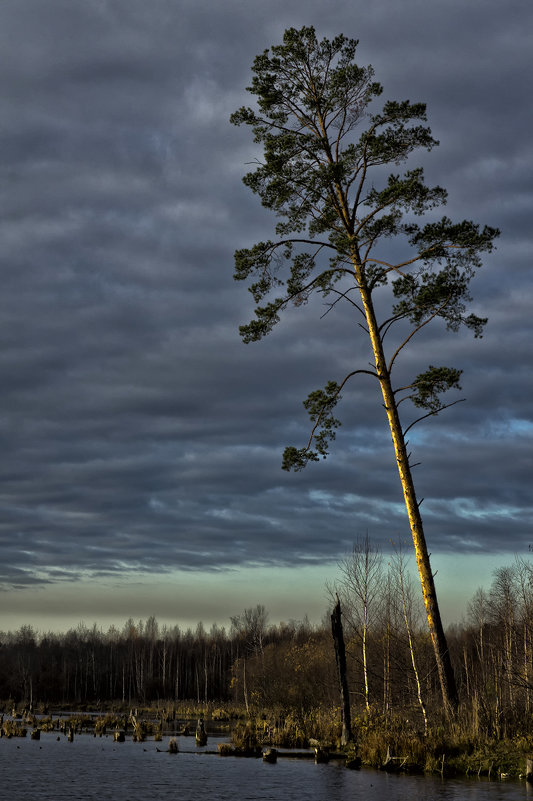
{"x":97,"y":768}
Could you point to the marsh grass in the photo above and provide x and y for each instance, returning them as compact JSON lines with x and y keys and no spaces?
{"x":13,"y":728}
{"x":449,"y":748}
{"x":245,"y":739}
{"x":458,"y":747}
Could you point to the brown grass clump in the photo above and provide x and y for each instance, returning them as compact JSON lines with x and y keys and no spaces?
{"x":11,"y":728}
{"x":244,"y":739}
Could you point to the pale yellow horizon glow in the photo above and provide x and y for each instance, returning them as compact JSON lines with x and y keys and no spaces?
{"x":188,"y":598}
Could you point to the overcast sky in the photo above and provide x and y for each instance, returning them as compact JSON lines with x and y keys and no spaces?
{"x":141,"y":440}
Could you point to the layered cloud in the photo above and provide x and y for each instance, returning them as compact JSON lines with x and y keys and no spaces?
{"x":137,"y":432}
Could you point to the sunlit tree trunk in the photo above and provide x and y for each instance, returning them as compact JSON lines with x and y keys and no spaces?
{"x":503,"y":601}
{"x":467,"y":670}
{"x":406,"y":603}
{"x":361,"y":588}
{"x":245,"y":686}
{"x":524,"y":576}
{"x":438,"y":638}
{"x":387,"y":648}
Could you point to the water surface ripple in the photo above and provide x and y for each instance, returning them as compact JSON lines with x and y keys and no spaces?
{"x":98,"y":769}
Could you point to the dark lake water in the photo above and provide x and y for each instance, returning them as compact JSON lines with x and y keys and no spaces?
{"x":97,"y":768}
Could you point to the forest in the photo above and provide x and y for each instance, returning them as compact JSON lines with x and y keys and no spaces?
{"x":290,"y":667}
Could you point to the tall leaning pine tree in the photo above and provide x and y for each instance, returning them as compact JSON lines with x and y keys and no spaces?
{"x":324,"y":153}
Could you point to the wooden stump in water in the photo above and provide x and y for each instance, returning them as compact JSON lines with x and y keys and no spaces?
{"x":353,"y":763}
{"x":321,"y":754}
{"x":270,"y":755}
{"x":201,"y":734}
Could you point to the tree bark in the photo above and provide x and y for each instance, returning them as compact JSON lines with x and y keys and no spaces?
{"x":438,"y":638}
{"x":340,"y":655}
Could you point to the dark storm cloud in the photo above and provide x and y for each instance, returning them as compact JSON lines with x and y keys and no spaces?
{"x":137,"y":432}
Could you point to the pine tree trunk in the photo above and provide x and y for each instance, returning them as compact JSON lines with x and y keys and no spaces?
{"x":438,"y":638}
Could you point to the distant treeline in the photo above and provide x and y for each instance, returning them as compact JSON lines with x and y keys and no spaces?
{"x":292,"y":665}
{"x":144,"y":662}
